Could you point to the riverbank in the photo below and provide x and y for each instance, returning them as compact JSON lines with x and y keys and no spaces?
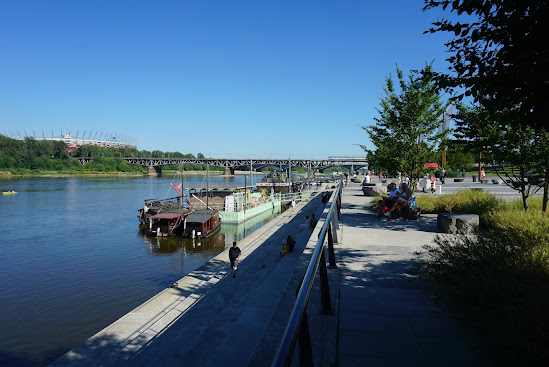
{"x":4,"y":174}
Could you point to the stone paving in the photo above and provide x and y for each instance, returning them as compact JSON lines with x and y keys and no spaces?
{"x":387,"y":318}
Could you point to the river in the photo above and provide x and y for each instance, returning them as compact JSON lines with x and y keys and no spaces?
{"x":73,"y":261}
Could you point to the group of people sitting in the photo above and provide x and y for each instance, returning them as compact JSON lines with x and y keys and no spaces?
{"x":400,"y":203}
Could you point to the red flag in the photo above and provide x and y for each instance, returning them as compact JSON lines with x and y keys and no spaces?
{"x":177,"y":188}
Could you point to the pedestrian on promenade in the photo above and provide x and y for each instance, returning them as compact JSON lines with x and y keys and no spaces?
{"x":293,"y":204}
{"x":380,"y":175}
{"x":482,"y":174}
{"x":442,"y":176}
{"x":312,"y":223}
{"x":234,"y":255}
{"x":324,"y":198}
{"x":304,"y":224}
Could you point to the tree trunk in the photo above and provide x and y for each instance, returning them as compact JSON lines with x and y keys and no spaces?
{"x":545,"y":190}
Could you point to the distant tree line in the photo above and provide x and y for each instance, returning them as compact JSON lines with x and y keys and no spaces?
{"x":32,"y":155}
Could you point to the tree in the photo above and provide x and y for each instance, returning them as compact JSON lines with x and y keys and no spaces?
{"x":500,"y":57}
{"x":407,"y":129}
{"x":517,"y":149}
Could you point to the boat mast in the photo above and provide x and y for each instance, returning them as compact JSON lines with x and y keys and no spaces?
{"x":207,"y":185}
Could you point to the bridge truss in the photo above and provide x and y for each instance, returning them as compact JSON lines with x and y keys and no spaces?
{"x":232,"y":163}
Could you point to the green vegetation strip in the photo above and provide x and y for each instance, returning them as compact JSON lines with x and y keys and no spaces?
{"x":500,"y":277}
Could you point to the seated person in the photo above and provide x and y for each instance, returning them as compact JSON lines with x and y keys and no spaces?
{"x":388,"y":201}
{"x":285,"y":248}
{"x":290,"y":242}
{"x":403,"y":197}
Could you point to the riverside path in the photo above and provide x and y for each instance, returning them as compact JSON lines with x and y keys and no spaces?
{"x":386,"y":317}
{"x":382,"y":316}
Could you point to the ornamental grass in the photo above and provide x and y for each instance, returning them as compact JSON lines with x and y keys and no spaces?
{"x":500,"y":276}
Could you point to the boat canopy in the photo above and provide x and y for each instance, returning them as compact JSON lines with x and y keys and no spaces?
{"x":200,"y":216}
{"x":167,"y":215}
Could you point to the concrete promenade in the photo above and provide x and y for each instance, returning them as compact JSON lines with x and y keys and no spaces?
{"x":381,"y":315}
{"x":387,"y":318}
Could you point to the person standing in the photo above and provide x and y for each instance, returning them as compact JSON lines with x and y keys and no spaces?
{"x":482,"y":174}
{"x":312,"y":223}
{"x":234,"y":255}
{"x":304,"y":224}
{"x":380,"y":175}
{"x":324,"y":198}
{"x":442,"y":176}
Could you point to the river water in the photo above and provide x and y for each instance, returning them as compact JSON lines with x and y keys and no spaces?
{"x":73,"y":261}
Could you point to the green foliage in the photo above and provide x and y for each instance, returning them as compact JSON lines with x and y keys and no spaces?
{"x":407,"y":129}
{"x":503,"y":273}
{"x":496,"y":55}
{"x":462,"y":201}
{"x":42,"y":156}
{"x":518,"y":149}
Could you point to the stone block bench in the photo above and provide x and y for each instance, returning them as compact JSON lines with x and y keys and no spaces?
{"x":484,"y":181}
{"x":497,"y":182}
{"x":458,"y":179}
{"x":457,"y":223}
{"x":373,"y":189}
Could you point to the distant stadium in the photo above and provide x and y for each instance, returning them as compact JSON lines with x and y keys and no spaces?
{"x":100,"y":139}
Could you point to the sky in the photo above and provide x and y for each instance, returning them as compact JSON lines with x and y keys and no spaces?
{"x":227,"y":78}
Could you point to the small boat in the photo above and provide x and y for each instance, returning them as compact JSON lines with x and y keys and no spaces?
{"x":176,"y":217}
{"x":170,"y":223}
{"x":201,"y":223}
{"x":9,"y":192}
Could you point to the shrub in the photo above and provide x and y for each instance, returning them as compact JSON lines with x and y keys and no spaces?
{"x":462,"y":201}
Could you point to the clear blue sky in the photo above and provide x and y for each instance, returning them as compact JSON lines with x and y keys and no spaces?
{"x":239,"y":78}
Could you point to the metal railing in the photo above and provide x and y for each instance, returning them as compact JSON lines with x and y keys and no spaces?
{"x":297,"y":328}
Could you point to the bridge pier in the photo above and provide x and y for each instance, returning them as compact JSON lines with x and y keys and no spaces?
{"x":228,"y":171}
{"x":154,"y":171}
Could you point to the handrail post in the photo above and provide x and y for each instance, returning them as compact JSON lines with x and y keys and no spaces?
{"x":335,"y":226}
{"x":297,"y":328}
{"x":304,"y":341}
{"x":331,"y":253}
{"x":324,"y":286}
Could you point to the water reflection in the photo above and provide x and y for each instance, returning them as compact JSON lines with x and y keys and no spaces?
{"x":215,"y":243}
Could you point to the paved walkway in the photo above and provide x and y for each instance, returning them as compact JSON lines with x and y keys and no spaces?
{"x":386,"y":318}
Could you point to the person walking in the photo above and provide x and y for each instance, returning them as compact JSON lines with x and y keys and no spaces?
{"x":305,"y":224}
{"x":234,"y":255}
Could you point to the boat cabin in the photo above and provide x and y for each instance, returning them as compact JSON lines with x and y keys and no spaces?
{"x":205,"y":222}
{"x":167,"y":223}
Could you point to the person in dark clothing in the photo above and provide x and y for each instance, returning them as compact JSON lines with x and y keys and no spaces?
{"x":324,"y":198}
{"x":291,"y":243}
{"x":312,"y":223}
{"x":234,"y":255}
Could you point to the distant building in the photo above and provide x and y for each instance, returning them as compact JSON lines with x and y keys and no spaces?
{"x":107,"y":140}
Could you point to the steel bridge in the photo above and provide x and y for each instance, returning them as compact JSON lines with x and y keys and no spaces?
{"x":230,"y":164}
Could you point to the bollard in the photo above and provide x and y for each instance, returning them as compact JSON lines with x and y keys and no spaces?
{"x":440,"y":189}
